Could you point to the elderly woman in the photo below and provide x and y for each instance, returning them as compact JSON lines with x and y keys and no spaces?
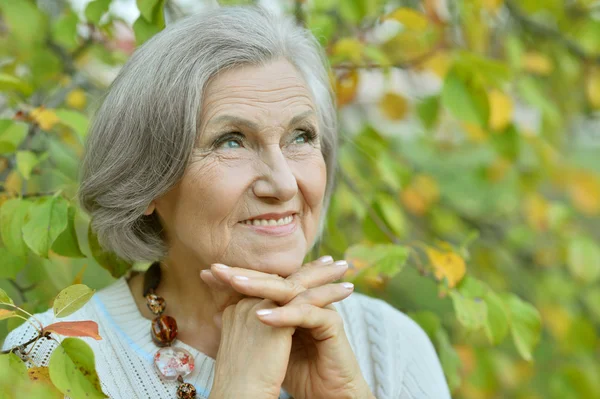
{"x":213,"y":155}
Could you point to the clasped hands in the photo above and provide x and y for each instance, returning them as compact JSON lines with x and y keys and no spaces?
{"x":321,"y":363}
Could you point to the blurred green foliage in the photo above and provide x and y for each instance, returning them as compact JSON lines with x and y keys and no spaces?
{"x":479,"y":218}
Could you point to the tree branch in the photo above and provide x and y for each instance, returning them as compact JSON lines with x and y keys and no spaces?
{"x":542,"y":30}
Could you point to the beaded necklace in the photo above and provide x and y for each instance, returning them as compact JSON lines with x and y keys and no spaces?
{"x":172,"y":363}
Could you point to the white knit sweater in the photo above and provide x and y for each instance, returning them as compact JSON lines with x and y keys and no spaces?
{"x":396,"y":357}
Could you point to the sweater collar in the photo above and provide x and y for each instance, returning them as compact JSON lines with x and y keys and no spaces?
{"x":117,"y":303}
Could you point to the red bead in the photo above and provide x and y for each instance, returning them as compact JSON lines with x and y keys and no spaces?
{"x":164,"y":330}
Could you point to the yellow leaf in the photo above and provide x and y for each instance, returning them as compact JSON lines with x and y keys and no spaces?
{"x":592,"y":88}
{"x":3,"y":164}
{"x":427,"y":186}
{"x":413,"y":201}
{"x":498,"y":169}
{"x":584,"y":191}
{"x":13,"y":183}
{"x":537,"y":63}
{"x":535,"y":210}
{"x":439,"y":63}
{"x":447,"y":264}
{"x":345,"y":87}
{"x":557,"y":319}
{"x":409,"y":18}
{"x":474,"y":133}
{"x":78,"y":279}
{"x":46,"y":118}
{"x":501,"y":110}
{"x":42,"y":375}
{"x":76,"y":99}
{"x":492,"y":5}
{"x":393,"y":106}
{"x":349,"y":48}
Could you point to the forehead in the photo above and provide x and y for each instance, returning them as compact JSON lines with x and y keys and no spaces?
{"x":275,"y":90}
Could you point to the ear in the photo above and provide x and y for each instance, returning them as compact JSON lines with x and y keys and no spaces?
{"x":150,"y":208}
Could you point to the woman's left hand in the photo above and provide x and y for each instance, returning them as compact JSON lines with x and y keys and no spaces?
{"x":322,"y":363}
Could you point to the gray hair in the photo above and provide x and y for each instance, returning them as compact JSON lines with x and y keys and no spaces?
{"x":144,"y":131}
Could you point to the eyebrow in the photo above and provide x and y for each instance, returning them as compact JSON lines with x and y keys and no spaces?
{"x":253,"y":126}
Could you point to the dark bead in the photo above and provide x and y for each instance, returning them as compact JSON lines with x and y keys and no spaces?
{"x":152,"y":278}
{"x":186,"y":391}
{"x":164,"y":330}
{"x":156,"y":304}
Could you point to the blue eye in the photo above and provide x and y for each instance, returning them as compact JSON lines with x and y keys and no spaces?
{"x":309,"y":136}
{"x":229,"y":138}
{"x":233,"y":141}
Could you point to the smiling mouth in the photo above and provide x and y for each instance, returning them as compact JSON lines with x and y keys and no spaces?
{"x":270,"y":222}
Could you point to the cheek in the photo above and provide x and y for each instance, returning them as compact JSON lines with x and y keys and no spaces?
{"x":312,"y":180}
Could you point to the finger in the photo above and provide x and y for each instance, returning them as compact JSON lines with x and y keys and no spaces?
{"x":319,"y":272}
{"x":224,"y":273}
{"x":322,"y":323}
{"x":324,"y":295}
{"x":213,"y":282}
{"x":279,"y":291}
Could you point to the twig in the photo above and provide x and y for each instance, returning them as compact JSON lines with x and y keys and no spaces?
{"x":380,"y":223}
{"x":550,"y":33}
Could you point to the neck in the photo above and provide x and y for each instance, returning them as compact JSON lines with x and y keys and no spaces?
{"x":190,"y":301}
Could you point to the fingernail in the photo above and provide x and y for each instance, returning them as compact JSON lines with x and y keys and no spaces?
{"x":348,"y":286}
{"x":221,"y":267}
{"x":341,"y":263}
{"x":325,"y":259}
{"x":205,"y":272}
{"x":264,"y":312}
{"x":240,"y":278}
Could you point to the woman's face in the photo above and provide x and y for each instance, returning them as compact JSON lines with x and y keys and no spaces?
{"x":255,"y":155}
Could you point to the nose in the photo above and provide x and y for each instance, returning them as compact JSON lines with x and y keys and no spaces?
{"x":276,"y":177}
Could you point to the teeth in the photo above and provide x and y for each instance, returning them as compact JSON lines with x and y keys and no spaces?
{"x":270,"y":222}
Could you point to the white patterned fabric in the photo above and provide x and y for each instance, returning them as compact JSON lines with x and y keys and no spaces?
{"x":396,"y":357}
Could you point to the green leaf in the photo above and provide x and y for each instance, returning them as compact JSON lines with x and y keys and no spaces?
{"x":144,"y":30}
{"x":64,"y":30}
{"x":583,"y":259}
{"x":95,"y":10}
{"x":525,"y":325}
{"x":25,"y":21}
{"x":9,"y":82}
{"x":11,"y":136}
{"x":47,"y":219}
{"x":387,"y":259}
{"x":11,"y":264}
{"x":393,"y":214}
{"x":108,"y":260}
{"x":465,"y":98}
{"x":497,"y":323}
{"x":66,"y":243}
{"x":71,"y":299}
{"x":75,"y":120}
{"x":449,"y":359}
{"x":470,"y":312}
{"x":26,"y":161}
{"x":73,"y":370}
{"x":12,"y":219}
{"x":147,"y":8}
{"x":428,"y":111}
{"x":4,"y":298}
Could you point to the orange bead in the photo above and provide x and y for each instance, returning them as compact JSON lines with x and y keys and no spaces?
{"x":164,"y":330}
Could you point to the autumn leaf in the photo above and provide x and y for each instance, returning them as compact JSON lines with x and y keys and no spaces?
{"x":584,"y":191}
{"x":537,"y":63}
{"x":75,"y":329}
{"x":409,"y":18}
{"x":592,"y":88}
{"x":5,"y":313}
{"x":447,"y":264}
{"x":501,"y":110}
{"x":346,"y":86}
{"x":535,"y":211}
{"x":45,"y":118}
{"x":76,"y":99}
{"x":393,"y":106}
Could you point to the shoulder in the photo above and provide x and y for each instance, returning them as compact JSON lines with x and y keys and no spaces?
{"x":393,"y":348}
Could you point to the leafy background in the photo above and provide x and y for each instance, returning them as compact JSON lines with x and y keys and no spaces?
{"x":469,"y":181}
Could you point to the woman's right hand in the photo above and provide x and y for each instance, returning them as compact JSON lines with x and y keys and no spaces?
{"x":253,"y":357}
